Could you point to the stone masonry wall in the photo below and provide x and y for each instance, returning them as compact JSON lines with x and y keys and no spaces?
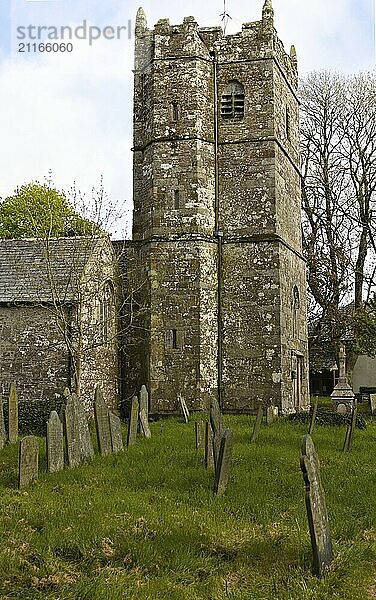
{"x":33,"y":353}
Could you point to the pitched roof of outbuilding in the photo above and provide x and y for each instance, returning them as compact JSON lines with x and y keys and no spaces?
{"x":39,"y":270}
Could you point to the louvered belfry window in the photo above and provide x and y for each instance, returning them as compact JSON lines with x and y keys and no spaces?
{"x":233,"y":99}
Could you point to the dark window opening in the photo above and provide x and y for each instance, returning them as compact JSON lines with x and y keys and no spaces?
{"x":233,"y":101}
{"x":175,"y":112}
{"x":172,"y":341}
{"x":176,"y":199}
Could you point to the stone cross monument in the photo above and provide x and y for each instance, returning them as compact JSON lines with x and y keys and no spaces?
{"x":342,"y":395}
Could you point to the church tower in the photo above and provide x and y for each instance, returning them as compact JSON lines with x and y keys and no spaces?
{"x":216,"y":256}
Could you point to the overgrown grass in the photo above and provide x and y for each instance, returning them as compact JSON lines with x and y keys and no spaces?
{"x":144,"y":524}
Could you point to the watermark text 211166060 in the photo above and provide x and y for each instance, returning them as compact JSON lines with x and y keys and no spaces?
{"x":52,"y":38}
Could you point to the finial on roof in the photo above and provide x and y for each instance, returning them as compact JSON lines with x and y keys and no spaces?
{"x":268,"y":11}
{"x":293,"y":55}
{"x":141,"y":22}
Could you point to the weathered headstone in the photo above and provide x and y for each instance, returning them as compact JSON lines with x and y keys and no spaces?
{"x":72,"y":433}
{"x":144,"y":401}
{"x":313,"y":417}
{"x":55,"y":444}
{"x":342,"y":395}
{"x":351,"y":429}
{"x":200,"y":435}
{"x":372,"y":403}
{"x":102,"y":423}
{"x":217,"y":426}
{"x":133,"y":422}
{"x":3,"y":431}
{"x":28,"y":461}
{"x":257,"y":425}
{"x":271,"y":414}
{"x":116,"y":434}
{"x":13,"y":414}
{"x":222,"y":472}
{"x":86,"y":444}
{"x":316,"y":508}
{"x":184,"y":408}
{"x":209,"y":457}
{"x":144,"y":424}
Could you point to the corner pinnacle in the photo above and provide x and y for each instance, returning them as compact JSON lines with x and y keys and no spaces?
{"x":268,"y":11}
{"x":141,"y":22}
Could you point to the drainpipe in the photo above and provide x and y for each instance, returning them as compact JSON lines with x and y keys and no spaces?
{"x":218,"y":234}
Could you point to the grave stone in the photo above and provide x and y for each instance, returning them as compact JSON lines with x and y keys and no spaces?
{"x":342,"y":395}
{"x":372,"y":403}
{"x":271,"y":414}
{"x":3,"y":431}
{"x":351,"y":429}
{"x":144,"y":401}
{"x":86,"y":444}
{"x":222,"y":472}
{"x":184,"y":408}
{"x":313,"y":417}
{"x":316,"y":508}
{"x":102,"y":423}
{"x":200,"y":435}
{"x":13,"y":414}
{"x":116,"y":434}
{"x":209,"y":457}
{"x":72,"y":433}
{"x":28,"y":461}
{"x":133,"y":422}
{"x":257,"y":425}
{"x":217,"y":426}
{"x":145,"y":430}
{"x":55,"y":443}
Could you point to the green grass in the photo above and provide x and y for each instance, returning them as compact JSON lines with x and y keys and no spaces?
{"x":144,"y":524}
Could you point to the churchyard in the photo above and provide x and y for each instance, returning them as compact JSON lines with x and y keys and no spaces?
{"x":144,"y":522}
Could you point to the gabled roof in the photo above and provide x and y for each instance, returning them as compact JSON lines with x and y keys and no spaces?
{"x":43,"y":270}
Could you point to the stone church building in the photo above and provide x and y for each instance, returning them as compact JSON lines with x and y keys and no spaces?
{"x":214,"y":277}
{"x":216,"y":256}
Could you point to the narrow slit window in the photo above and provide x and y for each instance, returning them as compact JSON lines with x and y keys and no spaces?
{"x":172,"y":342}
{"x":175,"y":112}
{"x":233,"y":101}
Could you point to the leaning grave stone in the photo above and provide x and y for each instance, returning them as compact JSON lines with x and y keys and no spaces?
{"x":13,"y":414}
{"x":145,"y":429}
{"x":216,"y":421}
{"x":317,"y":514}
{"x":184,"y":408}
{"x":102,"y":423}
{"x":351,"y":429}
{"x":133,"y":422}
{"x":144,"y":401}
{"x":72,"y":433}
{"x":55,"y":444}
{"x":209,"y":456}
{"x":116,"y":434}
{"x":257,"y":425}
{"x":86,"y":444}
{"x":222,"y":472}
{"x":3,"y":431}
{"x":200,"y":435}
{"x":28,"y":461}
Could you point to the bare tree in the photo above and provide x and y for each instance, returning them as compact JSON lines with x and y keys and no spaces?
{"x":338,"y":182}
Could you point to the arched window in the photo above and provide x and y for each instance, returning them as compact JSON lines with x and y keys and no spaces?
{"x":107,"y":312}
{"x":233,"y":99}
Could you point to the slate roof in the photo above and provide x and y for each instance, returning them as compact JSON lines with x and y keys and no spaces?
{"x":35,"y":270}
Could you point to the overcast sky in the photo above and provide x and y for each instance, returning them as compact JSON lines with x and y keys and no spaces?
{"x":71,"y":113}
